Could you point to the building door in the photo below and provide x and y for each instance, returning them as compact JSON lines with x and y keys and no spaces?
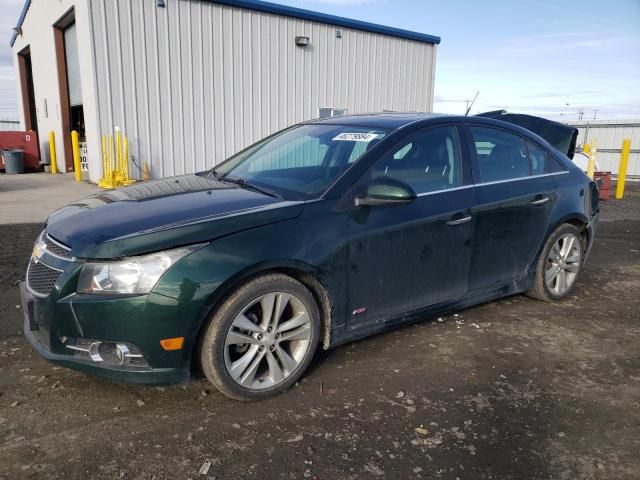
{"x":71,"y":111}
{"x":28,"y":95}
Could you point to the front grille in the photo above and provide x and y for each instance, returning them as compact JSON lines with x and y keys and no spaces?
{"x":41,"y":278}
{"x":55,"y":247}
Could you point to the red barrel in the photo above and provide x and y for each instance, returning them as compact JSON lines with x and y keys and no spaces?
{"x":603,"y":179}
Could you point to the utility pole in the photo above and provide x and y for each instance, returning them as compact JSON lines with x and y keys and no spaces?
{"x":580,"y":114}
{"x":595,"y":112}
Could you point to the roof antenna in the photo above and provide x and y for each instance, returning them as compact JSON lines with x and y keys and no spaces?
{"x":466,"y":114}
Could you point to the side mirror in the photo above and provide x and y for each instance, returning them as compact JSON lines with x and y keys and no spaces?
{"x":386,"y":191}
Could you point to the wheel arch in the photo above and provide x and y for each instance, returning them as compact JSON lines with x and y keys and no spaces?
{"x":300,"y":271}
{"x":579,"y":221}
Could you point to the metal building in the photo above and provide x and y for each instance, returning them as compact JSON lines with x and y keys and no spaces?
{"x":608,"y":136}
{"x":191,"y":82}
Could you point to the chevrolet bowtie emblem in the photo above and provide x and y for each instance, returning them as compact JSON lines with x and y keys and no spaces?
{"x":38,"y":251}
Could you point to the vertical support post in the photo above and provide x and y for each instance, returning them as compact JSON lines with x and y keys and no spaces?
{"x":75,"y":146}
{"x":591,"y":170}
{"x":52,"y":151}
{"x":622,"y":172}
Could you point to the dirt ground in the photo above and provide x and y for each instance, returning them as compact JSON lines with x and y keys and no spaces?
{"x":510,"y":389}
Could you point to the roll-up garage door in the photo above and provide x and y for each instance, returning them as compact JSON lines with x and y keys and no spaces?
{"x":73,"y":65}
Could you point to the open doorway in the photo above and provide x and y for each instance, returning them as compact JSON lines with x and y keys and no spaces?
{"x":26,"y":85}
{"x":71,"y":109}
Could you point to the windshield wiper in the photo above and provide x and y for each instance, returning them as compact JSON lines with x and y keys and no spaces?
{"x":249,"y":186}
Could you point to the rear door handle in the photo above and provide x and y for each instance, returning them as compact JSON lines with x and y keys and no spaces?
{"x":540,"y":201}
{"x":459,"y":221}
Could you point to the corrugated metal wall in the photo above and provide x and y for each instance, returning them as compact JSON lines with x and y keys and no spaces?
{"x":609,"y":136}
{"x":195,"y":82}
{"x":9,"y":125}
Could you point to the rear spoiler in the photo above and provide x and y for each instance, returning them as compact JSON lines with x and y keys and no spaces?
{"x":562,"y":137}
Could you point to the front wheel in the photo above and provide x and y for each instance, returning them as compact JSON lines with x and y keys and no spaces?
{"x":559,"y":264}
{"x":262,"y":338}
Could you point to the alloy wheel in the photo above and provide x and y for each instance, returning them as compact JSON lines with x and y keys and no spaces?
{"x":563,"y":264}
{"x":267,"y":341}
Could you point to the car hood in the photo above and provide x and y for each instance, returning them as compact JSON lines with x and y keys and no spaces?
{"x":162,"y":214}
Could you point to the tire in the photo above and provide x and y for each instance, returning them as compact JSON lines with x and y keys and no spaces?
{"x":553,"y":258}
{"x":246,"y":371}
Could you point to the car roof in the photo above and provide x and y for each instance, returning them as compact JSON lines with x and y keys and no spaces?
{"x":386,"y":120}
{"x":396,"y":120}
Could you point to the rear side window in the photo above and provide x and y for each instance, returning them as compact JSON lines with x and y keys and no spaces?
{"x":539,"y":159}
{"x":501,"y":155}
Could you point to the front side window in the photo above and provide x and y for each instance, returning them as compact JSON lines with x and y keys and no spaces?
{"x":303,"y":161}
{"x":501,"y":155}
{"x":428,"y":160}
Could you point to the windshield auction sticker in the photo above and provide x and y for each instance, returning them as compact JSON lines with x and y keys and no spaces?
{"x":355,"y":137}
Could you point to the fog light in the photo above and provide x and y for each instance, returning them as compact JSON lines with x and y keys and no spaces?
{"x":122,"y":353}
{"x":108,"y":353}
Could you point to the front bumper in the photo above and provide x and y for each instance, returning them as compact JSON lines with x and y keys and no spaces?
{"x":142,"y":321}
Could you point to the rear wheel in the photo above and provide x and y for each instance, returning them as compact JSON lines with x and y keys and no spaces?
{"x":261,"y":339}
{"x":559,"y":264}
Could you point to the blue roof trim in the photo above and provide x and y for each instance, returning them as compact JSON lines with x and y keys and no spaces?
{"x":303,"y":14}
{"x":20,"y":21}
{"x":300,"y":13}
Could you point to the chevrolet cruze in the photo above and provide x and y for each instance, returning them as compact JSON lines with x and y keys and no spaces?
{"x":321,"y":234}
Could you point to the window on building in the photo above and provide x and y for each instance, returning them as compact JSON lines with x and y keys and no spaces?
{"x":326,"y":112}
{"x":427,"y":160}
{"x":501,"y":155}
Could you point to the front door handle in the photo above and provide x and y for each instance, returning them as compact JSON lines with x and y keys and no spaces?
{"x":459,"y":221}
{"x":540,"y":201}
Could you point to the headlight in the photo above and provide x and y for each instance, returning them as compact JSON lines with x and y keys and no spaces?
{"x":135,"y":275}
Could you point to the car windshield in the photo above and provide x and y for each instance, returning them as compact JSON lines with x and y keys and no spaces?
{"x":301,"y":162}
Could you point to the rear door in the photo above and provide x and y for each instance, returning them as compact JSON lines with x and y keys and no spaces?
{"x":514,"y":195}
{"x":405,"y":257}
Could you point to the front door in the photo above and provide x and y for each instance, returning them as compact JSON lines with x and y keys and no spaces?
{"x":405,"y":257}
{"x":514,"y":198}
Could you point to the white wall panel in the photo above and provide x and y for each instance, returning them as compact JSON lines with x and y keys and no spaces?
{"x":195,"y":82}
{"x":609,"y":136}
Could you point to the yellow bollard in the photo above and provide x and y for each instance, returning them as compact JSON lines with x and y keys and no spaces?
{"x":104,"y":157}
{"x":586,"y":148}
{"x":125,"y":159}
{"x":75,"y":144}
{"x":111,"y":165}
{"x":52,"y":150}
{"x":591,"y":170}
{"x":622,"y":172}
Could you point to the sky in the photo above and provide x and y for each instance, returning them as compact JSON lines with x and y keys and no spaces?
{"x":552,"y":58}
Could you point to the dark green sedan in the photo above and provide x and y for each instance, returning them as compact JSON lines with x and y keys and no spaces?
{"x":321,"y":234}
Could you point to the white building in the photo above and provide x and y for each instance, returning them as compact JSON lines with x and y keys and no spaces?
{"x":191,"y":82}
{"x":608,"y":136}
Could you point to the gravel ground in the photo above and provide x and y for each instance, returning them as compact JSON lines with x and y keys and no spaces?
{"x":510,"y":389}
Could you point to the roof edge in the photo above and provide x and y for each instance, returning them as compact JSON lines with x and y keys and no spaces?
{"x":287,"y":11}
{"x":23,"y":15}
